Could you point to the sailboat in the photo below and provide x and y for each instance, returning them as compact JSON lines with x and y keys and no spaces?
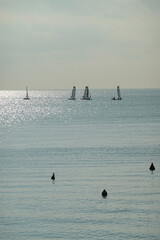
{"x":86,"y":95}
{"x":72,"y":97}
{"x":118,"y":93}
{"x":27,"y":96}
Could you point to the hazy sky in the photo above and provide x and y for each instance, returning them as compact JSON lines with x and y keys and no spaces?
{"x":55,"y":44}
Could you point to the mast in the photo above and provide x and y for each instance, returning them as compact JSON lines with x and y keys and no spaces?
{"x":27,"y":96}
{"x":26,"y":92}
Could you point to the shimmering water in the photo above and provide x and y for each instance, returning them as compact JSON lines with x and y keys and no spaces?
{"x":91,"y":146}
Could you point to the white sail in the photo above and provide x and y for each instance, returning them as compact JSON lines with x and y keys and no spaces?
{"x":73,"y":95}
{"x":74,"y":92}
{"x":86,"y":92}
{"x":119,"y":93}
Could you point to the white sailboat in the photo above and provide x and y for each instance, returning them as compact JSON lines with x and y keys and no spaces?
{"x":118,"y":93}
{"x":73,"y":96}
{"x":86,"y":95}
{"x":27,"y":96}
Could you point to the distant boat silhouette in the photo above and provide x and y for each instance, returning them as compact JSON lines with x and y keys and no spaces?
{"x":152,"y":167}
{"x":73,"y":96}
{"x":86,"y":95}
{"x":104,"y":193}
{"x":27,"y":96}
{"x":118,"y":93}
{"x":53,"y":176}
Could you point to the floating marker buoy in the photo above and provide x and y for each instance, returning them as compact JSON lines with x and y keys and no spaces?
{"x":152,"y":167}
{"x":104,"y":193}
{"x":53,"y":176}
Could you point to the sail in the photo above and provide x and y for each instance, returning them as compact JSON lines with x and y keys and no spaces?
{"x":118,"y":92}
{"x":74,"y":92}
{"x":73,"y":95}
{"x":86,"y":94}
{"x":27,"y":96}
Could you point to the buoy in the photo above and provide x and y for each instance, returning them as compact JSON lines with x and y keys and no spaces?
{"x":104,"y":193}
{"x":152,"y":167}
{"x":53,"y":176}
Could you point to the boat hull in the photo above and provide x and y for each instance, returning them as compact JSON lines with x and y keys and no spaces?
{"x":26,"y":98}
{"x":71,"y":98}
{"x":86,"y":98}
{"x":116,"y":98}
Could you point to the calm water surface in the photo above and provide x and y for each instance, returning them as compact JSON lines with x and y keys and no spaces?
{"x":91,"y":146}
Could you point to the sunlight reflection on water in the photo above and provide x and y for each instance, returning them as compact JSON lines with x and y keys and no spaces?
{"x":42,"y":104}
{"x":90,"y":145}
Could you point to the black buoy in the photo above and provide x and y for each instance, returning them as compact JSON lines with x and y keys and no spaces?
{"x":104,"y":193}
{"x":152,"y":167}
{"x":53,"y":176}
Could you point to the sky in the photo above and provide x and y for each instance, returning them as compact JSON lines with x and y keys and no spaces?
{"x":55,"y":44}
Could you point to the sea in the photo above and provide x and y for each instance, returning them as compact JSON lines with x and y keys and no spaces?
{"x":90,"y":145}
